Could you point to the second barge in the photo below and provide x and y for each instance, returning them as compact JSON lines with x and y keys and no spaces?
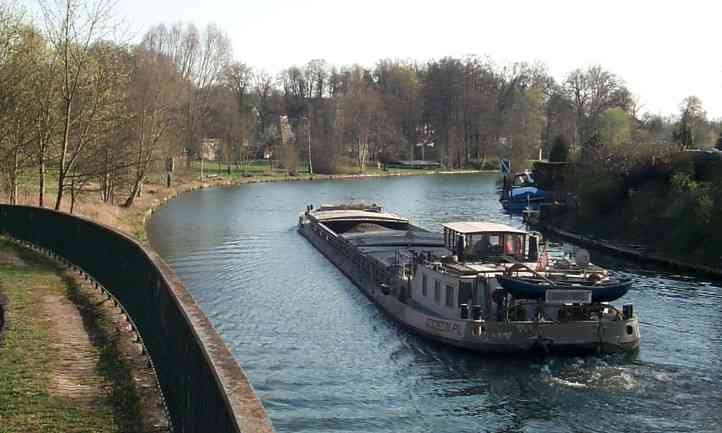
{"x":444,"y":286}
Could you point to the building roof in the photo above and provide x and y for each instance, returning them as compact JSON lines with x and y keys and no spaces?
{"x":469,"y":227}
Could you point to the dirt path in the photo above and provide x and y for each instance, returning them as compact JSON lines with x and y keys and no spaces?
{"x":74,"y":358}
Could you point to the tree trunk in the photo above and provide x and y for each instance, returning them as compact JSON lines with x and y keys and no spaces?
{"x":63,"y":155}
{"x":14,"y":179}
{"x":72,"y":194}
{"x":105,"y":180}
{"x":41,"y":180}
{"x":134,"y":192}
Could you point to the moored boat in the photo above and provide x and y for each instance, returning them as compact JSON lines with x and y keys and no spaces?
{"x":445,"y":286}
{"x":521,"y":192}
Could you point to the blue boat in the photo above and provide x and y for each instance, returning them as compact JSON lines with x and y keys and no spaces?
{"x":522,"y":193}
{"x":536,"y":287}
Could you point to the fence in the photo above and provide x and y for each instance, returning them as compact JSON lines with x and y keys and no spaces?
{"x":204,"y":387}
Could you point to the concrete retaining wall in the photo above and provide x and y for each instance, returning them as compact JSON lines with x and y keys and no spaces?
{"x":204,"y":387}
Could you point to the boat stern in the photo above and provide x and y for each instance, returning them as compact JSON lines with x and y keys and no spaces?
{"x":620,"y":335}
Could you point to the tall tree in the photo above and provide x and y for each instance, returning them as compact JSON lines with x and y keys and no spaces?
{"x":238,"y":78}
{"x":559,"y":150}
{"x":153,"y":105}
{"x":73,"y":27}
{"x":362,"y":113}
{"x":19,"y":53}
{"x":201,"y":59}
{"x":593,"y":90}
{"x":692,"y":118}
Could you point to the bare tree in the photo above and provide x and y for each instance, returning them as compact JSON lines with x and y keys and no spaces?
{"x":238,"y":79}
{"x":592,"y":91}
{"x":201,"y":59}
{"x":73,"y":27}
{"x":362,"y":110}
{"x":153,"y":104}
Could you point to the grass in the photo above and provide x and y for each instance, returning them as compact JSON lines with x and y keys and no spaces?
{"x":262,"y":169}
{"x":26,"y":405}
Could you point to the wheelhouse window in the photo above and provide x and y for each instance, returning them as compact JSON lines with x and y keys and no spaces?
{"x":449,"y":296}
{"x":495,"y":244}
{"x":424,"y":284}
{"x":437,"y":291}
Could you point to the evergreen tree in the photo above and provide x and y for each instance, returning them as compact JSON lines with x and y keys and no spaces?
{"x":719,"y":142}
{"x":560,"y":150}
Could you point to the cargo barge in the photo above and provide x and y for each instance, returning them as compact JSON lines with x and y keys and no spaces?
{"x":444,"y":286}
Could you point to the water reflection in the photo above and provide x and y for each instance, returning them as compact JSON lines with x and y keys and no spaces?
{"x":323,"y":358}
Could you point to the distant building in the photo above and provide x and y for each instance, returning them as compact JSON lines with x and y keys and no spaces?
{"x":211,"y":149}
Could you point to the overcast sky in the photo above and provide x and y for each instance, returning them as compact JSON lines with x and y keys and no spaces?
{"x":664,"y":50}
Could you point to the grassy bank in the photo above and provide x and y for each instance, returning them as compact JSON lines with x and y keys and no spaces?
{"x":53,"y":378}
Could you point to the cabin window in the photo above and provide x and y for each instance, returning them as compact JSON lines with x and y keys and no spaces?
{"x":437,"y":291}
{"x":465,"y":292}
{"x":481,"y":245}
{"x":424,"y":283}
{"x":514,"y":244}
{"x":449,"y":296}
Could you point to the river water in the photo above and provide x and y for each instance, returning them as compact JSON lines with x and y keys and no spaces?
{"x":322,"y":358}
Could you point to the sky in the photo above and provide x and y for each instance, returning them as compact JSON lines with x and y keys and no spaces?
{"x":663,"y":50}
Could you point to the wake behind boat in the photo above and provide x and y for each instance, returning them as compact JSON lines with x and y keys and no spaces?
{"x":447,"y":286}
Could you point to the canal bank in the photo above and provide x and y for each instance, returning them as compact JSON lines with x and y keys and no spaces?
{"x":634,"y":253}
{"x":552,"y":221}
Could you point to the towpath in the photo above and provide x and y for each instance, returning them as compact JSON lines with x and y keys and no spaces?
{"x":68,"y":361}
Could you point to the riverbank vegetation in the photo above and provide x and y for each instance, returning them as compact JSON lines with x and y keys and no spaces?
{"x":669,"y":205}
{"x":656,"y":183}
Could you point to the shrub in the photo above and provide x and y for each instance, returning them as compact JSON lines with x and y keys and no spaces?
{"x":560,"y":150}
{"x":682,"y":182}
{"x":600,"y":194}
